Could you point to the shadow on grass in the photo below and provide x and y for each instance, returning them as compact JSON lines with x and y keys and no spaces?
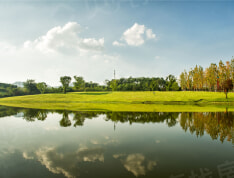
{"x":94,"y":93}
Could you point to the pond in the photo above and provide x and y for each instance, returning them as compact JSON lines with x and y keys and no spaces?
{"x":46,"y":143}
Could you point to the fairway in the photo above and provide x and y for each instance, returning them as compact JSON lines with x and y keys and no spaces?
{"x":126,"y":101}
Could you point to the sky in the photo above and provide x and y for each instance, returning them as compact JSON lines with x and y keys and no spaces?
{"x":44,"y":40}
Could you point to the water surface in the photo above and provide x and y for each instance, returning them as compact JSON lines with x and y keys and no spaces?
{"x":42,"y":143}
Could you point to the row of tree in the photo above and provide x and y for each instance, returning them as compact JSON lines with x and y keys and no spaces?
{"x":79,"y":84}
{"x":214,"y":78}
{"x":143,"y":84}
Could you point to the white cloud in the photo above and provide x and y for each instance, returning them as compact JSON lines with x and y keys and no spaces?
{"x":92,"y":44}
{"x":134,"y":36}
{"x":60,"y":51}
{"x":65,"y":39}
{"x":116,"y":43}
{"x":150,"y":34}
{"x":7,"y":48}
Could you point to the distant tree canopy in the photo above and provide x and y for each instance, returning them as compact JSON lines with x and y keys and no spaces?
{"x":143,"y":84}
{"x":31,"y":87}
{"x":9,"y":90}
{"x":65,"y":80}
{"x":79,"y":83}
{"x":41,"y":87}
{"x":122,"y":84}
{"x":213,"y":78}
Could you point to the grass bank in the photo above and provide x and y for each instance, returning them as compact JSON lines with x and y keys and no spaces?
{"x":127,"y":101}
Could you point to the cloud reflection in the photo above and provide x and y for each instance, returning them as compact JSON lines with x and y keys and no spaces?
{"x":66,"y":163}
{"x":136,"y":163}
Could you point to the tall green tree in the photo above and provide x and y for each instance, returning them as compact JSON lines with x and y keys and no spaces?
{"x":170,"y":80}
{"x":200,"y":78}
{"x":189,"y":83}
{"x":114,"y":85}
{"x":65,"y":80}
{"x":183,"y":81}
{"x":79,"y":83}
{"x":222,"y":74}
{"x":31,"y":86}
{"x":153,"y":85}
{"x":196,"y":78}
{"x":211,"y":76}
{"x":41,"y":87}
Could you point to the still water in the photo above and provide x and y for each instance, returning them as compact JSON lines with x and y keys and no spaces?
{"x":41,"y":143}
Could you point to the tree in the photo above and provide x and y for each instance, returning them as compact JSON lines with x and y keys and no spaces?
{"x":31,"y":86}
{"x":153,"y":85}
{"x":196,"y":78}
{"x":211,"y":76}
{"x":232,"y":70}
{"x":65,"y":121}
{"x":183,"y":81}
{"x":189,"y":80}
{"x":175,"y":86}
{"x":200,"y":78}
{"x":79,"y":83}
{"x":65,"y":80}
{"x":113,"y":85}
{"x":169,"y":82}
{"x":222,"y":74}
{"x":227,"y":85}
{"x":41,"y":87}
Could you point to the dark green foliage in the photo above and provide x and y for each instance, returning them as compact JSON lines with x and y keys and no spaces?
{"x":79,"y":83}
{"x":141,"y":84}
{"x":171,"y":84}
{"x":9,"y":90}
{"x":65,"y":122}
{"x":65,"y":80}
{"x":31,"y":87}
{"x":122,"y":84}
{"x":41,"y":87}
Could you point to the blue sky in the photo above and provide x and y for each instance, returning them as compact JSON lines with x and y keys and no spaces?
{"x":44,"y":40}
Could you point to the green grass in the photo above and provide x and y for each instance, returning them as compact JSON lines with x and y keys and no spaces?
{"x":127,"y":101}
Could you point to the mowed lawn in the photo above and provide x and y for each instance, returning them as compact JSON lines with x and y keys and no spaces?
{"x":127,"y":101}
{"x":124,"y":97}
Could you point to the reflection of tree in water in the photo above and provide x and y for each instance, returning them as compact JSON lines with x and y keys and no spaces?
{"x":79,"y":117}
{"x":65,"y":122}
{"x":33,"y":114}
{"x":8,"y":111}
{"x":143,"y":117}
{"x":217,"y":125}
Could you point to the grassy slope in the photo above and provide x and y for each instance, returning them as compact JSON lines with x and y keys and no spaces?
{"x":126,"y":101}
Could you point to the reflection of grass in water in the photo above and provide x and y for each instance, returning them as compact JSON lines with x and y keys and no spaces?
{"x":126,"y":101}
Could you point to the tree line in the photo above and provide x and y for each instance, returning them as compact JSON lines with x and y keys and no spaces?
{"x":143,"y":84}
{"x":213,"y":78}
{"x":123,"y":84}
